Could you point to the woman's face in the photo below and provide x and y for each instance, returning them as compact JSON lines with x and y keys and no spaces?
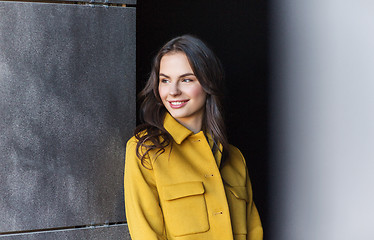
{"x":180,"y":90}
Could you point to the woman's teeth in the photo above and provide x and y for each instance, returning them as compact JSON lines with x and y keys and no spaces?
{"x":176,"y":103}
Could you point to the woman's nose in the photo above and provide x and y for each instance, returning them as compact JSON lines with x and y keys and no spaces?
{"x":174,"y":89}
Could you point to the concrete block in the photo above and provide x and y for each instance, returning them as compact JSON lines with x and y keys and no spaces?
{"x":67,"y":103}
{"x":115,"y":232}
{"x":89,"y":1}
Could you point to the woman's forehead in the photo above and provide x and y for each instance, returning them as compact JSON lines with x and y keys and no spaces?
{"x":175,"y":64}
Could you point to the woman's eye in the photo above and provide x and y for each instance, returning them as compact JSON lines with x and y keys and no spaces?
{"x":187,"y":80}
{"x":164,"y":80}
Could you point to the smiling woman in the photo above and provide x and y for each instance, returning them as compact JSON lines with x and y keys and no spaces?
{"x":182,"y":178}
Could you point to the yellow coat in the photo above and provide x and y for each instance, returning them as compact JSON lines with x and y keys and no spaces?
{"x":183,"y":196}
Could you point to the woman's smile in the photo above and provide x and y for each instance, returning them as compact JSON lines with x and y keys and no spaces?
{"x":178,"y":103}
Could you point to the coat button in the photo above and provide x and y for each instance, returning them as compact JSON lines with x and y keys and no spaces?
{"x":218,"y":213}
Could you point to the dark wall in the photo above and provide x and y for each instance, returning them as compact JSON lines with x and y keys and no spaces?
{"x":237,"y":32}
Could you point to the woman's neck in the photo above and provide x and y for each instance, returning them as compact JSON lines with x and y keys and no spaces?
{"x":194,"y":124}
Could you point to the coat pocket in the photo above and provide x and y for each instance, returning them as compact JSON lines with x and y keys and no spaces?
{"x":185,"y":209}
{"x":237,"y":198}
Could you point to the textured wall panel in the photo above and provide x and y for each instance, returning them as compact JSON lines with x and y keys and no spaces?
{"x":88,"y":1}
{"x":117,"y":232}
{"x":67,"y":106}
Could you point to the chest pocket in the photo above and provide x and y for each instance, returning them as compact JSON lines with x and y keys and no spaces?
{"x":185,"y":209}
{"x":237,"y":198}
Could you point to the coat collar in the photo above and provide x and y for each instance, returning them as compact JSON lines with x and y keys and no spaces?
{"x":179,"y":133}
{"x":175,"y":129}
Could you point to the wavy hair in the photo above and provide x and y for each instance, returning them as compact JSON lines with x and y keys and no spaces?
{"x":151,"y":134}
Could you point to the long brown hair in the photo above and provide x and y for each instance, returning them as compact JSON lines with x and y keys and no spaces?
{"x":208,"y":70}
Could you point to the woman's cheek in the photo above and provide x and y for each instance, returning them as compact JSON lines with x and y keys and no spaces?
{"x":198,"y":93}
{"x":162,"y":91}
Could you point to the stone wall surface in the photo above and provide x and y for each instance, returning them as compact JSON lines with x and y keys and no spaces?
{"x":67,"y":107}
{"x":92,"y":2}
{"x":119,"y":231}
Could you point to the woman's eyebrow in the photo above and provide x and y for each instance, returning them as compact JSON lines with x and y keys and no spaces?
{"x":183,"y":75}
{"x":164,"y":75}
{"x":186,"y":74}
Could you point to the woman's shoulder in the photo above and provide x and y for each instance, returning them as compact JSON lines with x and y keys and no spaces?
{"x":236,"y":154}
{"x":141,"y":133}
{"x":132,"y":140}
{"x":134,"y":152}
{"x":132,"y":143}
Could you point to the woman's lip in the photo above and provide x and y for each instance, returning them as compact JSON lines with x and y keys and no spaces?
{"x":178,"y":103}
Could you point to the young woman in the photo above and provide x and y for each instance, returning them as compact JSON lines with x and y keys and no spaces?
{"x":182,"y":178}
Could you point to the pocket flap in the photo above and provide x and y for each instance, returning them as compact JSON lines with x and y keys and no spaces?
{"x":181,"y":190}
{"x":239,"y":192}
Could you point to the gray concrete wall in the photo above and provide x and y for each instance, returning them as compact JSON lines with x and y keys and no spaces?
{"x":67,"y":107}
{"x":118,"y":231}
{"x":92,"y":2}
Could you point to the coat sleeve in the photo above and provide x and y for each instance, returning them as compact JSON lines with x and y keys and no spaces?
{"x":143,"y":211}
{"x":254,"y":227}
